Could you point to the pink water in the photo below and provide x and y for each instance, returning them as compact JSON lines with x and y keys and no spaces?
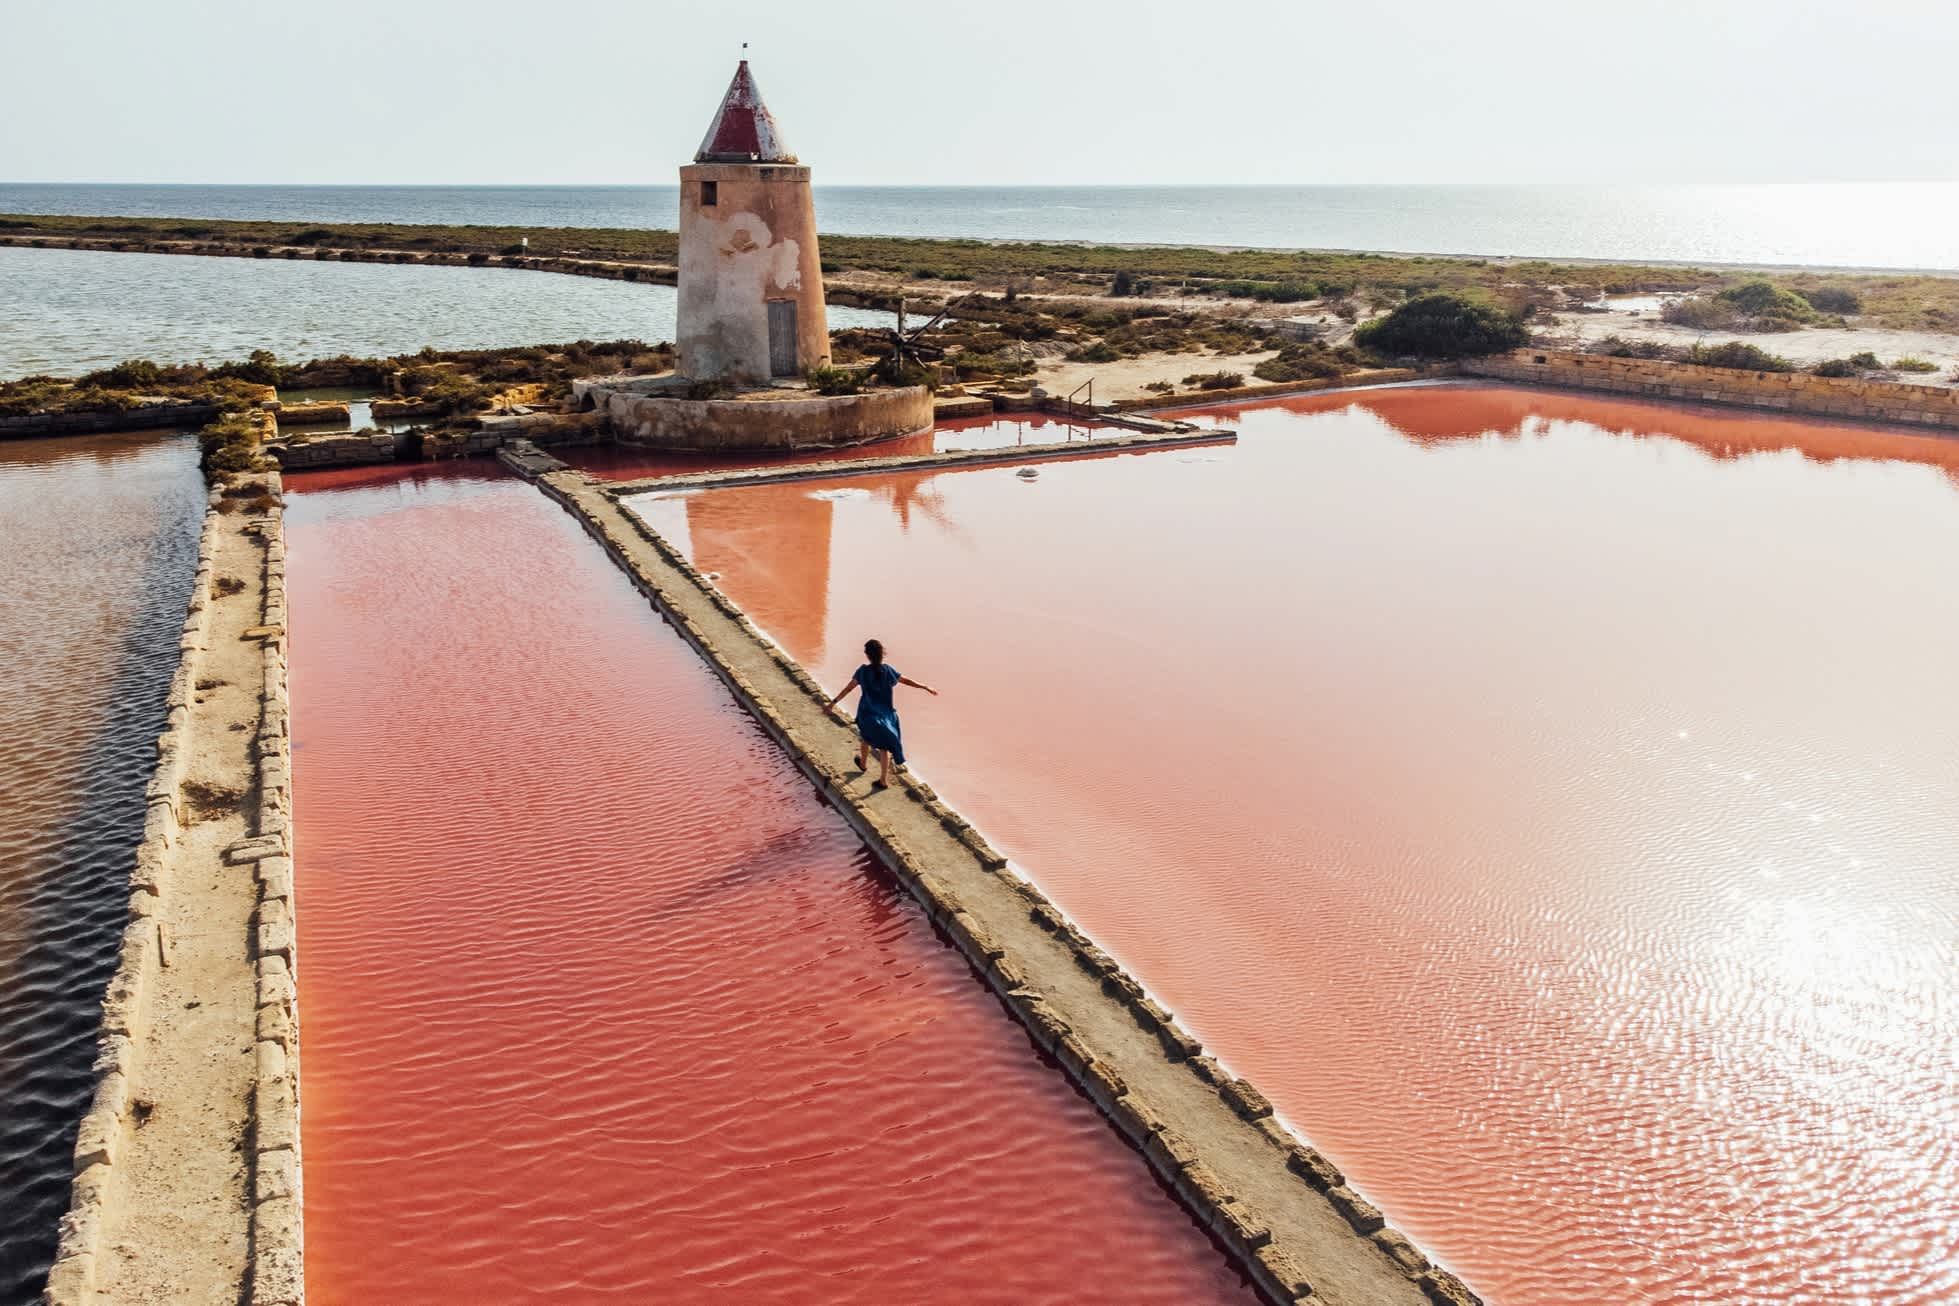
{"x":618,"y":462}
{"x":600,"y":1001}
{"x":1548,"y":801}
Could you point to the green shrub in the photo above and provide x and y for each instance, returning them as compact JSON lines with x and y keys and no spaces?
{"x":834,"y":381}
{"x":892,"y":372}
{"x":1445,"y":325}
{"x":1099,"y":352}
{"x":1620,"y":347}
{"x":1911,"y":364}
{"x":260,"y":368}
{"x":1833,"y":299}
{"x":1766,"y":299}
{"x":1215,"y":380}
{"x":131,"y":374}
{"x":1700,"y":313}
{"x":1835,"y":367}
{"x":1272,"y":292}
{"x":1740,"y":356}
{"x":1300,"y":362}
{"x":1124,"y":284}
{"x":230,"y":444}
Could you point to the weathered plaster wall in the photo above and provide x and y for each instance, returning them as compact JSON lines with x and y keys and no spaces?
{"x":802,"y":421}
{"x":1795,"y":392}
{"x":757,"y":242}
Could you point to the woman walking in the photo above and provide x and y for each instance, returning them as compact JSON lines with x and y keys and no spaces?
{"x":877,"y":718}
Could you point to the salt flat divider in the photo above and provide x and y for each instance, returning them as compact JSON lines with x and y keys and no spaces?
{"x":1282,"y":1210}
{"x":210,"y":920}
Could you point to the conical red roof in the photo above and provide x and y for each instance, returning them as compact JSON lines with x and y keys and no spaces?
{"x":742,"y":130}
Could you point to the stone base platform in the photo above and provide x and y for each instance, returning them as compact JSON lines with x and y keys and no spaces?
{"x":649,"y":411}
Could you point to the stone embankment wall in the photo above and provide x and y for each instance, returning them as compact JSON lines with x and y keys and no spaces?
{"x":1284,"y":1212}
{"x":1274,"y":389}
{"x":351,"y":448}
{"x":124,"y":1236}
{"x":162,"y":415}
{"x":800,"y":420}
{"x":1793,"y":392}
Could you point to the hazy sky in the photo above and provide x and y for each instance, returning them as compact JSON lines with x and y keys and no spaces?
{"x":1039,"y":91}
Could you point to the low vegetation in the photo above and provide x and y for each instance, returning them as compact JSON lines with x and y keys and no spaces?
{"x":1215,"y":380}
{"x":1444,"y":326}
{"x":1739,"y":355}
{"x":1277,"y":276}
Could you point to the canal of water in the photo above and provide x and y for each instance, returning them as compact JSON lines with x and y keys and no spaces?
{"x":1547,"y":800}
{"x":599,"y":999}
{"x":69,"y":311}
{"x":98,"y":553}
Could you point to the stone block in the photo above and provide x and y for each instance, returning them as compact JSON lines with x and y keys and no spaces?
{"x":1402,"y":1252}
{"x":273,"y":911}
{"x":1072,"y":1053}
{"x":275,"y":1121}
{"x":71,"y":1281}
{"x":275,"y":1175}
{"x":277,"y":1276}
{"x":275,"y":988}
{"x":1445,"y":1289}
{"x":275,"y":940}
{"x":1200,"y":1186}
{"x":974,"y":938}
{"x":1046,"y":1025}
{"x":1244,"y":1099}
{"x":275,"y":878}
{"x":1242,"y":1229}
{"x":1095,"y":961}
{"x":115,"y":1054}
{"x":275,"y":1024}
{"x":251,"y":850}
{"x":1103,"y":1083}
{"x":269,"y":1054}
{"x":1170,"y":1150}
{"x":1048,"y":918}
{"x":1282,"y":1274}
{"x":1136,"y":1117}
{"x":99,"y":1136}
{"x":1206,"y":1069}
{"x":1007,"y":974}
{"x":1362,"y":1214}
{"x":1314,"y":1168}
{"x":986,"y":854}
{"x":1123,"y":989}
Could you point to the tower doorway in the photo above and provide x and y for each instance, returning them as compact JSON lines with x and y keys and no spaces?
{"x":782,"y":337}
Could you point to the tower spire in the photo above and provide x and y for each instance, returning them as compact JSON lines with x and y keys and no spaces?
{"x":743,"y":130}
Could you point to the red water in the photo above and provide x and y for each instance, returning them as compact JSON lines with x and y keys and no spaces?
{"x":623,"y":462}
{"x":1547,"y":800}
{"x":599,"y":1000}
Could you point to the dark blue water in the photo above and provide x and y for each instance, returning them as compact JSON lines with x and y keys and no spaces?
{"x":1900,"y":225}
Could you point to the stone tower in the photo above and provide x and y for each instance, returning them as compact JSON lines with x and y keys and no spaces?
{"x":751,"y":284}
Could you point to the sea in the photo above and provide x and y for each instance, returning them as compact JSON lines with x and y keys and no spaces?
{"x":1902,"y":225}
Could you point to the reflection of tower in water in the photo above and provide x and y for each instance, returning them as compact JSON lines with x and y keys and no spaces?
{"x":776,"y":538}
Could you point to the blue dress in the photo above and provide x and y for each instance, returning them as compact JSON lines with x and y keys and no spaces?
{"x":877,"y":719}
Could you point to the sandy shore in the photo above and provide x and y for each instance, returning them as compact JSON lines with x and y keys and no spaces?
{"x":1806,"y":347}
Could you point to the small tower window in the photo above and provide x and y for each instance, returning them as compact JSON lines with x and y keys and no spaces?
{"x":710,"y":193}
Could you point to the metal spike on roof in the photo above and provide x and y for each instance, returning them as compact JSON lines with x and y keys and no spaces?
{"x":742,"y":130}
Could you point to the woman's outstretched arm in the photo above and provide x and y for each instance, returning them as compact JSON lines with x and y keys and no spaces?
{"x":843,"y":693}
{"x":907,"y":680}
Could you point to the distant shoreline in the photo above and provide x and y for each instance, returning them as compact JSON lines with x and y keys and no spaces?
{"x":1908,"y":228}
